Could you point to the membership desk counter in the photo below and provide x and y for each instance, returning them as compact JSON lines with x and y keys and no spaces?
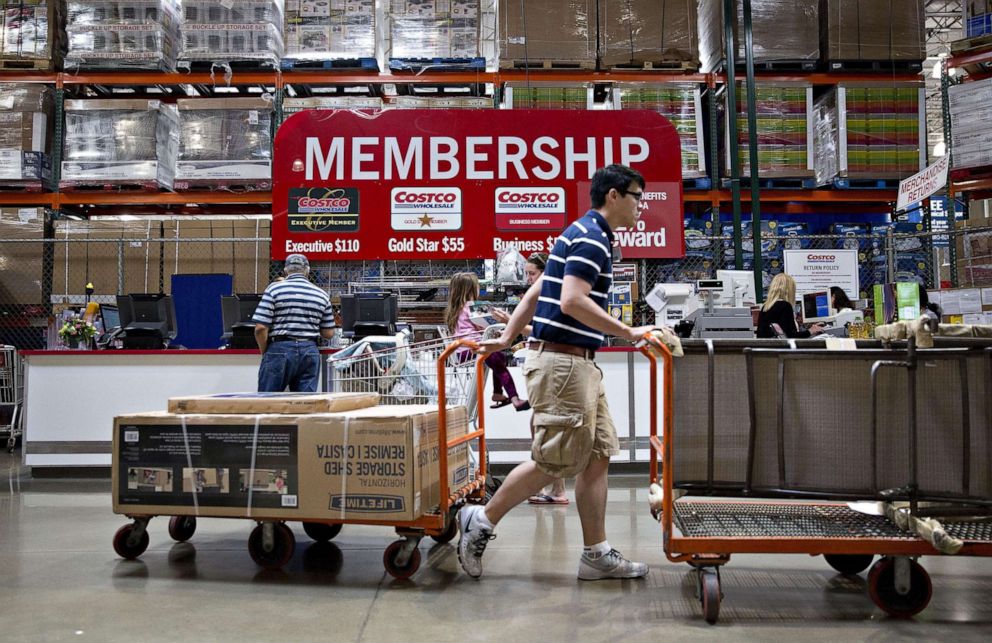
{"x":790,"y":392}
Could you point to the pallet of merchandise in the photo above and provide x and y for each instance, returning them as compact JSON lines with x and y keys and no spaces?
{"x":30,"y":22}
{"x":588,"y":65}
{"x":94,"y":186}
{"x":857,"y":183}
{"x":220,"y":62}
{"x":885,"y":66}
{"x":443,"y":102}
{"x":232,"y":186}
{"x":335,"y":64}
{"x":776,"y":182}
{"x":670,"y":66}
{"x":548,"y":95}
{"x":25,"y":64}
{"x":801,"y":64}
{"x":437,"y":64}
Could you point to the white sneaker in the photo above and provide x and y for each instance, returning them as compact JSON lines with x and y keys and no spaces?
{"x":473,"y":540}
{"x":610,"y":565}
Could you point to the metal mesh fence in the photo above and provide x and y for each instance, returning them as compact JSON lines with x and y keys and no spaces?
{"x":41,"y":277}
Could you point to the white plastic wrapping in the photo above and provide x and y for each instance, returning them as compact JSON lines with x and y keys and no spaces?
{"x":329,"y":29}
{"x":785,"y":130}
{"x":430,"y":29}
{"x":548,"y":95}
{"x":25,"y":134}
{"x":293,"y":105}
{"x":971,"y":123}
{"x":137,"y":34}
{"x":110,"y":142}
{"x":678,"y":102}
{"x":225,"y":142}
{"x":228,"y":31}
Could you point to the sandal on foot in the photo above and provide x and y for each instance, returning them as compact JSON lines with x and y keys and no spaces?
{"x":545,"y":499}
{"x":498,"y":404}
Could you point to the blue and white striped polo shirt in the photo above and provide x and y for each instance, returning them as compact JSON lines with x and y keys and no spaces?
{"x":294,"y":308}
{"x":582,"y":250}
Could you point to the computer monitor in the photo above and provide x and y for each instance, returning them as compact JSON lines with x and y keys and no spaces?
{"x":369,"y":313}
{"x":816,"y":306}
{"x":738,"y":287}
{"x":147,"y":319}
{"x":236,"y":312}
{"x":110,"y":317}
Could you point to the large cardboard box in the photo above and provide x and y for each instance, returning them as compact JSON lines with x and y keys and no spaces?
{"x":647,"y":31}
{"x":885,"y":30}
{"x":782,"y":30}
{"x":545,"y":30}
{"x":379,"y":463}
{"x":285,"y":403}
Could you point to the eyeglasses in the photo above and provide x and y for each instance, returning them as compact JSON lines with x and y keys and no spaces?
{"x":637,"y":195}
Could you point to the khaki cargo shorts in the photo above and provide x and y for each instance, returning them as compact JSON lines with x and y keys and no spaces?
{"x":571,"y":421}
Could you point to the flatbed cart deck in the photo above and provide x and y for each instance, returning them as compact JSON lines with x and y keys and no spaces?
{"x":271,"y":543}
{"x":705,"y":532}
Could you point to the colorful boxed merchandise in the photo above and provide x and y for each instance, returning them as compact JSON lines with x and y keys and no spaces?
{"x":785,"y":124}
{"x":25,"y":134}
{"x":224,"y":142}
{"x":854,"y":30}
{"x":30,"y":34}
{"x":681,"y":105}
{"x":643,"y":32}
{"x":329,"y":29}
{"x":110,"y":141}
{"x":378,"y":463}
{"x":698,"y":234}
{"x":783,"y":30}
{"x":853,"y":236}
{"x":540,"y":31}
{"x":548,"y":95}
{"x":769,"y":242}
{"x":795,"y":234}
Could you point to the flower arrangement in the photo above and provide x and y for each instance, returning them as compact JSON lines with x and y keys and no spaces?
{"x":77,"y":330}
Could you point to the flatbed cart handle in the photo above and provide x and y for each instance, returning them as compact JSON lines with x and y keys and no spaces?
{"x":648,"y":342}
{"x":442,"y":418}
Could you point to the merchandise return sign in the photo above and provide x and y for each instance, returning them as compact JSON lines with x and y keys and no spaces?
{"x":464,"y":184}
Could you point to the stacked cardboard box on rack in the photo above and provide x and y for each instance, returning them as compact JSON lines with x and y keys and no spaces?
{"x":540,"y":32}
{"x":318,"y":30}
{"x":971,"y":123}
{"x":648,"y":34}
{"x":25,"y":135}
{"x":105,"y":34}
{"x":429,"y":30}
{"x":285,"y":456}
{"x":31,"y":35}
{"x":110,"y":141}
{"x":852,"y":30}
{"x":782,"y":30}
{"x":785,"y":130}
{"x":224,"y":142}
{"x":679,"y":103}
{"x":224,"y":32}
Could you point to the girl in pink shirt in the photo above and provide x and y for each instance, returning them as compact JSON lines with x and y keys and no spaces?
{"x":462,"y":291}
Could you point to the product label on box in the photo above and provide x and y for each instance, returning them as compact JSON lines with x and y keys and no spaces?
{"x":110,"y":171}
{"x":233,"y":170}
{"x":223,"y":465}
{"x":10,"y":164}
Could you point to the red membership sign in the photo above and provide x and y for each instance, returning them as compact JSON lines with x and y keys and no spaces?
{"x":464,"y":184}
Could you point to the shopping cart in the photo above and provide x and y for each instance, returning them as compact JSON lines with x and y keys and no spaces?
{"x":11,"y":395}
{"x":445,"y":374}
{"x":788,"y":506}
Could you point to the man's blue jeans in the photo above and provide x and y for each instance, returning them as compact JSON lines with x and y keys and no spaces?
{"x":295,"y":364}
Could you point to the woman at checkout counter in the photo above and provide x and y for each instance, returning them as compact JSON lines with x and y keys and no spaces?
{"x":839,"y":301}
{"x":778,"y":314}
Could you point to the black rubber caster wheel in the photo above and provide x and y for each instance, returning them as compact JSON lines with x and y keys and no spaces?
{"x":450,"y":529}
{"x":283,"y":544}
{"x":709,"y":595}
{"x":129,"y":551}
{"x":850,"y":564}
{"x":882,"y":589}
{"x":396,"y":570}
{"x":182,"y":528}
{"x":321,"y":532}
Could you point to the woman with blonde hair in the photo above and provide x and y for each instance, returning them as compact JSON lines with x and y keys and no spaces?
{"x":778,"y":314}
{"x":462,"y":291}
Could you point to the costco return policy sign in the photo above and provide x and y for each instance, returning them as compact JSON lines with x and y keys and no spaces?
{"x":464,"y":184}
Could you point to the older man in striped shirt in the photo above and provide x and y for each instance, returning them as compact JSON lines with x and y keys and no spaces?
{"x":574,"y":434}
{"x":289,"y":320}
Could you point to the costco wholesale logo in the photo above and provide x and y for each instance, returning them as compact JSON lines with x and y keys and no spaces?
{"x":815,"y":258}
{"x":426,"y":209}
{"x":530,"y":208}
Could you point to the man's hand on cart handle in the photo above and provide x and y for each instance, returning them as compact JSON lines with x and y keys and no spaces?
{"x":490,"y":346}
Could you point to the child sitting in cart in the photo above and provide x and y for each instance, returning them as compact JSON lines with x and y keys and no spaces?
{"x":462,"y":292}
